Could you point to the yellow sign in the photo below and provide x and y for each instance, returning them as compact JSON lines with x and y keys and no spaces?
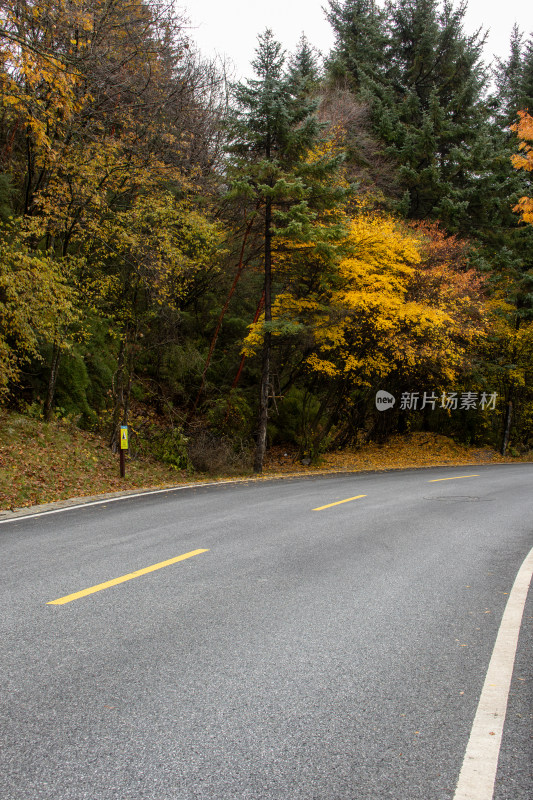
{"x":123,"y":437}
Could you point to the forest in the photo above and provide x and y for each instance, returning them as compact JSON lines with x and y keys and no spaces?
{"x":225,"y":266}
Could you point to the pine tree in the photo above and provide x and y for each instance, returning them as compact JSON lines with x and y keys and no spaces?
{"x":273,"y":129}
{"x":359,"y":56}
{"x":424,"y":81}
{"x":514,"y":79}
{"x":432,"y":110}
{"x":506,"y":77}
{"x":526,"y":83}
{"x":506,"y":244}
{"x":304,"y":69}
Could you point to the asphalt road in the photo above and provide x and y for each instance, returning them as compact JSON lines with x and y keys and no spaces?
{"x":336,"y":654}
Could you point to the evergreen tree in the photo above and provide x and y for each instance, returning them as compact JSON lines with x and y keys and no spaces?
{"x":272,"y":132}
{"x":506,"y":244}
{"x":304,"y":70}
{"x":432,"y":114}
{"x":359,"y":56}
{"x":424,"y":80}
{"x":514,"y":79}
{"x":526,"y":83}
{"x":506,"y":77}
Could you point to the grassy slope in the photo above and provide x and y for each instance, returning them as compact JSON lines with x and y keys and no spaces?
{"x":42,"y":462}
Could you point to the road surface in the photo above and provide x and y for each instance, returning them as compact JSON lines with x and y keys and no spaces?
{"x":301,"y":648}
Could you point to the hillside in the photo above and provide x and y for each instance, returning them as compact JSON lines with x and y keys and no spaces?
{"x":43,"y":462}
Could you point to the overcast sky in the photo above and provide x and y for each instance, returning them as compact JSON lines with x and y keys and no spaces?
{"x":230,"y":27}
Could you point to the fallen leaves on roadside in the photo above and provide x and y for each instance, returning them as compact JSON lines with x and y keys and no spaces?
{"x":43,"y":462}
{"x":399,"y":452}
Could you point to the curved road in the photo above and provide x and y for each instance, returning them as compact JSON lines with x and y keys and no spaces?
{"x":312,"y":650}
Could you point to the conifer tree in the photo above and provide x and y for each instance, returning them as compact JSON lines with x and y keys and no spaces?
{"x":359,"y":56}
{"x":432,"y":110}
{"x":506,"y":76}
{"x":506,"y":244}
{"x":514,"y":79}
{"x":424,"y":80}
{"x":273,"y":129}
{"x":304,"y":70}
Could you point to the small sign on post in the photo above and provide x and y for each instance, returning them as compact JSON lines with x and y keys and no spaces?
{"x":123,"y":448}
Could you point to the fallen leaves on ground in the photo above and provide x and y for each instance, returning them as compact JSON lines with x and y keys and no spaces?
{"x":41,"y":463}
{"x":399,"y":452}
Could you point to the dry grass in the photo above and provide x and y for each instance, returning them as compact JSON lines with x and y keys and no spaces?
{"x":399,"y":452}
{"x":41,"y":463}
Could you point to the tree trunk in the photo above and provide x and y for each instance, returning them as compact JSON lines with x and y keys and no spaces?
{"x":265,"y":372}
{"x":263,"y":407}
{"x":507,"y":431}
{"x":52,"y":381}
{"x":237,"y":377}
{"x":118,"y":396}
{"x":222,"y":314}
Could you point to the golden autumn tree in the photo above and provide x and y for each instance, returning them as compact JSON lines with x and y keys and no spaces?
{"x":150,"y":256}
{"x":395,"y":317}
{"x":35,"y":299}
{"x":402,"y":309}
{"x":393,"y":308}
{"x":524,"y":160}
{"x":108,"y":119}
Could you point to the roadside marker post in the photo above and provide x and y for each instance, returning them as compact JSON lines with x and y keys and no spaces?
{"x":123,"y":448}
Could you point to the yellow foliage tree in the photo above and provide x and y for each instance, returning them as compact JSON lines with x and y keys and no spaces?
{"x":35,"y":301}
{"x":389,"y":312}
{"x":524,"y":160}
{"x":105,"y":125}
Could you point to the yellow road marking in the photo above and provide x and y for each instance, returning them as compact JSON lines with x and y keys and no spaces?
{"x":338,"y":503}
{"x":457,"y":478}
{"x":98,"y":588}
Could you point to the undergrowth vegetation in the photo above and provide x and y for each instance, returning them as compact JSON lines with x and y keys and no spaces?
{"x":41,"y":462}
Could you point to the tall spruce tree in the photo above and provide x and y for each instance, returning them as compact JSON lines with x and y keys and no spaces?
{"x":359,"y":57}
{"x":514,"y":79}
{"x":273,"y":129}
{"x":304,"y":68}
{"x":424,"y":81}
{"x":507,"y":244}
{"x":432,"y":109}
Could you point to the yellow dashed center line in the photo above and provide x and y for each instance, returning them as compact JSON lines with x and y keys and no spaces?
{"x":457,"y":478}
{"x":339,"y":502}
{"x":98,"y":588}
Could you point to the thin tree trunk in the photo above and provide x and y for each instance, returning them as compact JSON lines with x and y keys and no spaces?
{"x":52,"y":381}
{"x":237,"y":377}
{"x":265,"y":371}
{"x":263,"y":407}
{"x":129,"y":381}
{"x":29,"y":161}
{"x":222,"y":314}
{"x":118,"y":396}
{"x":507,"y":431}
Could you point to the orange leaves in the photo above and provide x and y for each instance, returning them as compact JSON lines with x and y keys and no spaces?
{"x":399,"y":452}
{"x":524,"y":160}
{"x":405,"y":303}
{"x":445,"y":278}
{"x":524,"y":129}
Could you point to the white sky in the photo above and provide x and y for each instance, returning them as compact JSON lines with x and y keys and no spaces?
{"x":229,"y":27}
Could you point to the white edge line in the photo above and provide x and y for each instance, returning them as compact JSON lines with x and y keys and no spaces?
{"x":178,"y":489}
{"x":478,"y":773}
{"x":89,"y":503}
